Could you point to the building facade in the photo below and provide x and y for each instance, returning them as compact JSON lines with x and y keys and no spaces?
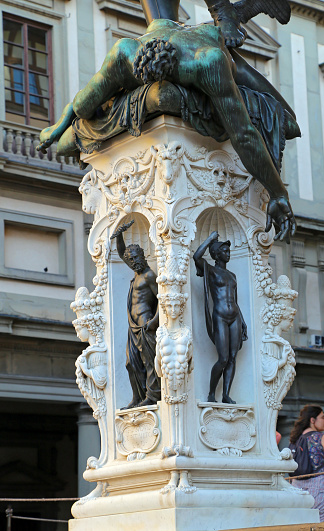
{"x":49,"y":50}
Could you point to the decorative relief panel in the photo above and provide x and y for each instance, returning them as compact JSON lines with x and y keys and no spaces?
{"x":216,"y":176}
{"x":220,"y":174}
{"x":137,"y":432}
{"x":227,"y":225}
{"x":228,"y":430}
{"x":173,"y":359}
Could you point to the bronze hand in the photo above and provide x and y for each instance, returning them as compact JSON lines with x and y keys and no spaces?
{"x":280,"y":213}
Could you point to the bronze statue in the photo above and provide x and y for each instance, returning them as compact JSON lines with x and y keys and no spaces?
{"x":226,"y":327}
{"x":189,"y":71}
{"x":143,"y":320}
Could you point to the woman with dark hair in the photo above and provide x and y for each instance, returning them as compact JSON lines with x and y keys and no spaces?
{"x":311,"y":422}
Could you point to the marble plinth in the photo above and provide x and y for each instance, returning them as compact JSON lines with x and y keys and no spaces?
{"x":184,"y":463}
{"x":194,"y":519}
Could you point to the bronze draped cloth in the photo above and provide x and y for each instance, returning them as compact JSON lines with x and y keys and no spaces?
{"x":266,"y":114}
{"x":128,"y":112}
{"x":209,"y":322}
{"x":140,"y":354}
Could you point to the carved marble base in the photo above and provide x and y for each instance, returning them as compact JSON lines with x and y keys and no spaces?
{"x":187,"y":517}
{"x":184,"y":463}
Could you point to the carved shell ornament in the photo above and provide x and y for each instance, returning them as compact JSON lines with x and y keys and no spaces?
{"x":227,"y":225}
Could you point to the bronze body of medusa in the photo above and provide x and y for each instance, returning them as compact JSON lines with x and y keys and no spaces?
{"x":172,"y":64}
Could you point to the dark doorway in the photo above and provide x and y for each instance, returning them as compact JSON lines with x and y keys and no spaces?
{"x":38,"y":459}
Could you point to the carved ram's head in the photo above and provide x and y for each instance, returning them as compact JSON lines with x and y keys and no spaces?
{"x":91,"y":193}
{"x":168,"y":160}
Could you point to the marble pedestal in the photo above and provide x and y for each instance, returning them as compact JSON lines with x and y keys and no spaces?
{"x":184,"y":464}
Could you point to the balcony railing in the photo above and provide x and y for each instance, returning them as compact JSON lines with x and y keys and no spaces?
{"x":18,"y":142}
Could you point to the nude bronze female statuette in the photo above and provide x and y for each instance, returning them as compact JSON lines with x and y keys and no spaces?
{"x":226,"y":326}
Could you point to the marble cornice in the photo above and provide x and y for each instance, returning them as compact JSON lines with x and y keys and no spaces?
{"x":33,"y":8}
{"x":134,"y":9}
{"x":313,"y":9}
{"x":39,"y":388}
{"x":15,"y":326}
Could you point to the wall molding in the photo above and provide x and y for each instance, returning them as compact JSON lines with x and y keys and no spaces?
{"x":313,"y":9}
{"x":31,"y":388}
{"x":33,"y":8}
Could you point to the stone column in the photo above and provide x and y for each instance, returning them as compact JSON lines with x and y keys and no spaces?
{"x":89,"y":267}
{"x":88,"y":444}
{"x":299,"y":272}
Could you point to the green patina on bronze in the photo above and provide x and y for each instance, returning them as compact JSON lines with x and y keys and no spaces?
{"x":188,"y":72}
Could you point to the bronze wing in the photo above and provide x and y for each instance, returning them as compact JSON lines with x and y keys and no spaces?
{"x":279,"y":9}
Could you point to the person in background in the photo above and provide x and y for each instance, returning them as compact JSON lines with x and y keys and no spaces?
{"x":311,"y":422}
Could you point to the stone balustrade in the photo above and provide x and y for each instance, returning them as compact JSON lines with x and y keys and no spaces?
{"x":19,"y":142}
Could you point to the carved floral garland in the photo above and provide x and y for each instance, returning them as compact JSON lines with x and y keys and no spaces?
{"x":91,"y":365}
{"x":277,"y":355}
